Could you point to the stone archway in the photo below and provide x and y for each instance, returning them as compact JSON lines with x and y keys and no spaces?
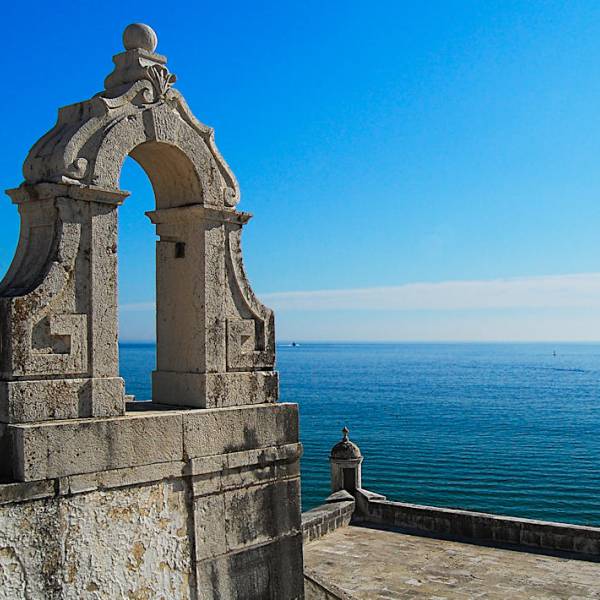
{"x":58,"y":301}
{"x":219,"y":486}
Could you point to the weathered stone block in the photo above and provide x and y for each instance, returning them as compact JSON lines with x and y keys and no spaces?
{"x":105,"y":480}
{"x":262,"y":513}
{"x":215,"y":390}
{"x":212,"y":474}
{"x":58,"y":449}
{"x":245,"y":517}
{"x":55,"y":399}
{"x":222,"y":431}
{"x":12,"y":493}
{"x":210,"y":524}
{"x":270,"y":572}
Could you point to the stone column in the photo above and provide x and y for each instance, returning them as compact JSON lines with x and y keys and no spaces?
{"x":215,"y":342}
{"x":58,"y":320}
{"x":346,"y":460}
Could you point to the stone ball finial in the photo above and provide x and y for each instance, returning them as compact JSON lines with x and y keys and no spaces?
{"x":138,"y":36}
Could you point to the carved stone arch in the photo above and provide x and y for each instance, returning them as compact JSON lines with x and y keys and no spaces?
{"x":91,"y":140}
{"x":58,"y":302}
{"x":174,"y":177}
{"x":182,"y":167}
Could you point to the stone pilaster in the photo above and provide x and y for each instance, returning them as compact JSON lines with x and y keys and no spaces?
{"x":58,"y":320}
{"x":212,"y":344}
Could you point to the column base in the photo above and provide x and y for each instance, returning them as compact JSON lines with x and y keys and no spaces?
{"x":214,"y":390}
{"x":28,"y":401}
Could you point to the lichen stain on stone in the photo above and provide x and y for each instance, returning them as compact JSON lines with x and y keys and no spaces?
{"x":13,"y":579}
{"x":71,"y":572}
{"x":79,"y":543}
{"x":141,"y":594}
{"x":121,"y":513}
{"x":137,"y":556}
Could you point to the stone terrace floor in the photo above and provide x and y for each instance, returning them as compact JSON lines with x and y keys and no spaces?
{"x":375,"y":564}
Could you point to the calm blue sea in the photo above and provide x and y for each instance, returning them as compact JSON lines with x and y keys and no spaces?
{"x":502,"y":428}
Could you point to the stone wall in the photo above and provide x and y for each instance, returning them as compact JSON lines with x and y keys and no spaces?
{"x":130,"y":542}
{"x":328,"y":517}
{"x":480,"y":527}
{"x":317,"y":588}
{"x":216,"y":516}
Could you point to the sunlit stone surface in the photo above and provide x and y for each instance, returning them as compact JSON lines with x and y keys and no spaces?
{"x":374,"y":564}
{"x":195,"y":494}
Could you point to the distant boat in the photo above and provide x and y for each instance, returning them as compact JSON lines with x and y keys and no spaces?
{"x":293,"y":344}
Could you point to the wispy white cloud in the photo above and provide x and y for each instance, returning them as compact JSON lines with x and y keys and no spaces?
{"x":556,"y":291}
{"x":560,"y":307}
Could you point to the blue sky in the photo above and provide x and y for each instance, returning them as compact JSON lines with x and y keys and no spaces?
{"x":379,"y":145}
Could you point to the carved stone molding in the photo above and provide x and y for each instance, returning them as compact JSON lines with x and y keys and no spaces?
{"x":58,"y":304}
{"x":91,"y":139}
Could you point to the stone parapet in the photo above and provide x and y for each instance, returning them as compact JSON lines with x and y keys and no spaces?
{"x":326,"y":518}
{"x":228,"y":480}
{"x":56,"y":449}
{"x":479,"y":527}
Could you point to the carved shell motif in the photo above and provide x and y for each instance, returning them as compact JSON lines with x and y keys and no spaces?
{"x":162,"y":80}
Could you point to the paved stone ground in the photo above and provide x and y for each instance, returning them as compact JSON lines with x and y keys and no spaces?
{"x":374,"y":564}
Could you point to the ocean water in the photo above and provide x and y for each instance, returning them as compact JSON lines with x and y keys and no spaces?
{"x":504,"y":428}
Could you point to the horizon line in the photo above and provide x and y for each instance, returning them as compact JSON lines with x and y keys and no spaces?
{"x":355,"y":341}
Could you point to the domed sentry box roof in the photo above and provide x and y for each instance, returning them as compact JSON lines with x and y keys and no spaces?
{"x":345,"y":449}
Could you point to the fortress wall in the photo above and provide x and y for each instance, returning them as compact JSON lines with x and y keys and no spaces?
{"x":326,"y":518}
{"x":216,"y":517}
{"x":480,"y":527}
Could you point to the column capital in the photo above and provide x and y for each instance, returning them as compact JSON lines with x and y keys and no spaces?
{"x":197,"y":212}
{"x":28,"y":192}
